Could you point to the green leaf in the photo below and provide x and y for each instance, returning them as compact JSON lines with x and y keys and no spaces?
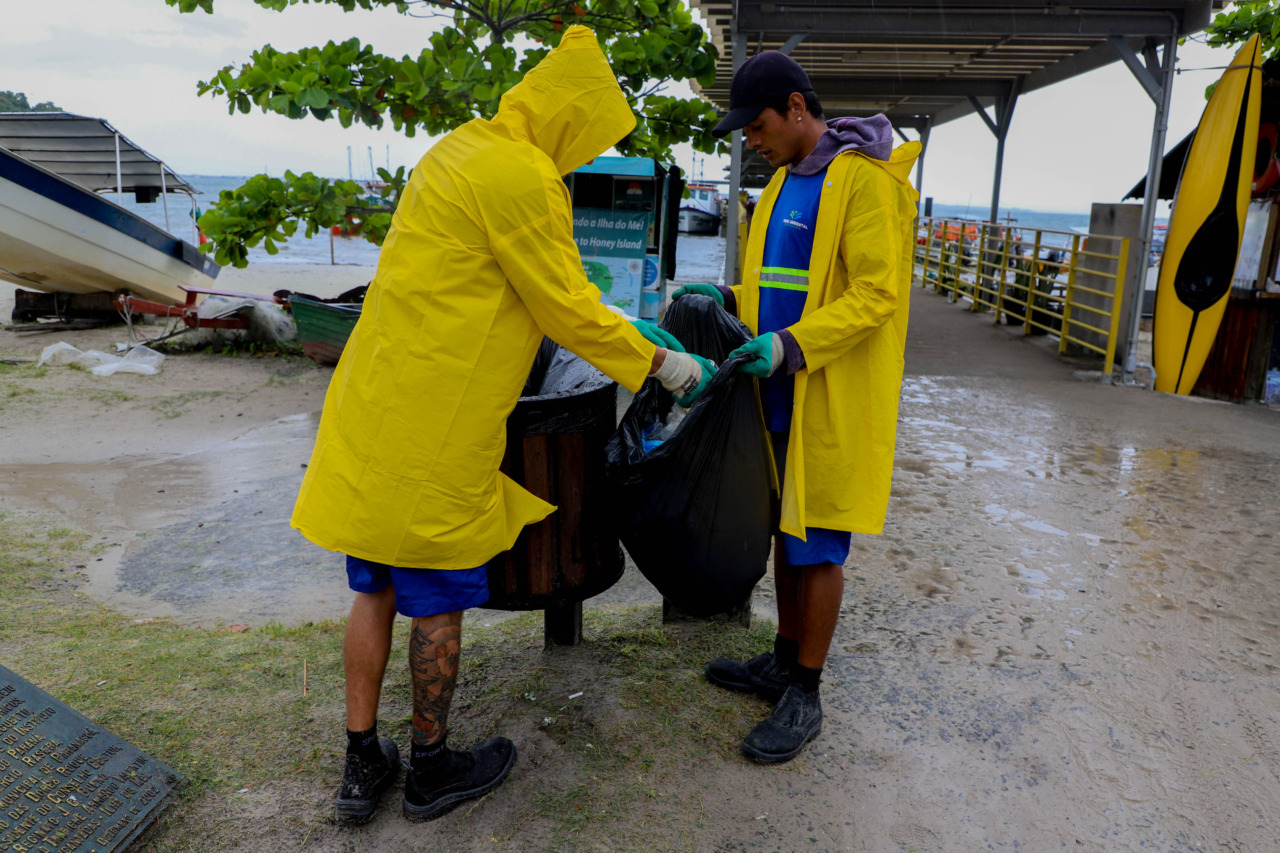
{"x":462,"y":74}
{"x":314,"y":98}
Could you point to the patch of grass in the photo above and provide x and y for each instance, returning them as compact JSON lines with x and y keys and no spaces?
{"x":290,"y":371}
{"x":256,"y":349}
{"x":225,"y":708}
{"x":173,"y":405}
{"x":108,"y":397}
{"x":14,"y":375}
{"x":646,"y":714}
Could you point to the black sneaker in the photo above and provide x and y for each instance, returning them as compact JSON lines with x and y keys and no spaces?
{"x":363,"y":782}
{"x":761,"y":675}
{"x":466,"y":775}
{"x":796,"y":721}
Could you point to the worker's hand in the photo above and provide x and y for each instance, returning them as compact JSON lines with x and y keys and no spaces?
{"x":685,"y":376}
{"x":768,"y":353}
{"x":707,"y":367}
{"x":700,"y":290}
{"x":657,"y":335}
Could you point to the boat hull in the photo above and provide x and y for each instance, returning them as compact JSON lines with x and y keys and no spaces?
{"x":60,"y":238}
{"x":323,"y":328}
{"x":693,"y":221}
{"x":1206,"y":226}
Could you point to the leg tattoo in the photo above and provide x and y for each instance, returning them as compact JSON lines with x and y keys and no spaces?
{"x":433,"y":663}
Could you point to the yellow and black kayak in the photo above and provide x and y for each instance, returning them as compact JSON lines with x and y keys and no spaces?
{"x":1207,"y":225}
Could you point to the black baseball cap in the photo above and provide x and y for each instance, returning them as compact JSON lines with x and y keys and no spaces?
{"x":764,"y":79}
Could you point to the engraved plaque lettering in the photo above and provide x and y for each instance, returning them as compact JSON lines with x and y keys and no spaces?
{"x":66,"y":784}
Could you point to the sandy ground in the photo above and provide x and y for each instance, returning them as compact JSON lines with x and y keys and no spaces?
{"x":1067,"y":637}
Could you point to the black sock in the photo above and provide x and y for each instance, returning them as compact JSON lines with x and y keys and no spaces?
{"x":805,"y":678}
{"x":364,"y":744}
{"x":426,"y":759}
{"x":786,"y":650}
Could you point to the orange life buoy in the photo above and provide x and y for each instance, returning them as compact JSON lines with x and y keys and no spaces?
{"x":1266,"y":169}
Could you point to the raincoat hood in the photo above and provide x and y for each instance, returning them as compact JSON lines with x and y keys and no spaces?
{"x":570,"y":104}
{"x":872,"y":137}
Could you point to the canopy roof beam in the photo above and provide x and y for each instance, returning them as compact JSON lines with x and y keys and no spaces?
{"x":792,"y":43}
{"x":874,"y":20}
{"x":999,"y":126}
{"x":1146,"y":76}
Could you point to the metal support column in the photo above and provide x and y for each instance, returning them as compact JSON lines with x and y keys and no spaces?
{"x":735,"y":177}
{"x":999,"y":127}
{"x":119,"y":177}
{"x":562,"y":624}
{"x":1161,"y":91}
{"x":164,"y":197}
{"x":924,"y":149}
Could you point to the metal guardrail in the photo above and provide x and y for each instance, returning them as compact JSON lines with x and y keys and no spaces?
{"x":1057,"y":283}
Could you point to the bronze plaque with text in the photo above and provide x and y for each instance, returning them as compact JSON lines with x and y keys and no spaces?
{"x":66,"y":784}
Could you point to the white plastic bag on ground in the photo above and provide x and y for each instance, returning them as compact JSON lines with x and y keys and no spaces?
{"x":56,"y":355}
{"x":140,"y":359}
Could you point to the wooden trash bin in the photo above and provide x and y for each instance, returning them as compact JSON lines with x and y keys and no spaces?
{"x":556,"y":450}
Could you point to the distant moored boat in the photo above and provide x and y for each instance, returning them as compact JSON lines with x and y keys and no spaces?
{"x":700,"y":213}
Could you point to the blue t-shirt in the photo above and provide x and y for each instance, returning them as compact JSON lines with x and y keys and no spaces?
{"x":784,"y":280}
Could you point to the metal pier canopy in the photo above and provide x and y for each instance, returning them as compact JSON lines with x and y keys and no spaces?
{"x":926,"y":62}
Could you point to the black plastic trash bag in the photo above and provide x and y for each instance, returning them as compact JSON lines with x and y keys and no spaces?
{"x":694,"y":510}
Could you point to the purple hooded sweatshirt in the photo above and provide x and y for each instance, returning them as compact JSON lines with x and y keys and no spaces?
{"x":872,"y":137}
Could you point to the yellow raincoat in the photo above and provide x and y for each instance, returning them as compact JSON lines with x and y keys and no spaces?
{"x":479,"y":263}
{"x":852,"y":332}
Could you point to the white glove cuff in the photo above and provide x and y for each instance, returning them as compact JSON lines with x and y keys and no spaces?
{"x":779,"y":353}
{"x":679,"y":373}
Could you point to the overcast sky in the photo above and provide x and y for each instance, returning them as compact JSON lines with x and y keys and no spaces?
{"x":136,"y":63}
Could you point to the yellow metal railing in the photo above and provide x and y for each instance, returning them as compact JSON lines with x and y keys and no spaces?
{"x":1050,"y":282}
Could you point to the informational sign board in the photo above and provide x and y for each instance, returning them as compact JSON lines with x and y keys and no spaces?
{"x":66,"y":784}
{"x":612,"y":245}
{"x":1255,"y":247}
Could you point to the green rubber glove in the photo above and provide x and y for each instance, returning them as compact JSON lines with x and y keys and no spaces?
{"x":700,"y":290}
{"x":657,"y":335}
{"x":768,"y":352}
{"x":708,"y":371}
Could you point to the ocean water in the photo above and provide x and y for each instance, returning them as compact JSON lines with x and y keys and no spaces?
{"x":698,"y":257}
{"x":298,"y":250}
{"x":1020,"y":217}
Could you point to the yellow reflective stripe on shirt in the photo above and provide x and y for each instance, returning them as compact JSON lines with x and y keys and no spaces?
{"x":784,"y":278}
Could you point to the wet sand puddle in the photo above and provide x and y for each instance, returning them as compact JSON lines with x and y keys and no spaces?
{"x":1060,"y":642}
{"x":201,"y":537}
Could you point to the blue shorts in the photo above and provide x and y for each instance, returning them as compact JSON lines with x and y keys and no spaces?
{"x":421,"y":592}
{"x":819,"y":545}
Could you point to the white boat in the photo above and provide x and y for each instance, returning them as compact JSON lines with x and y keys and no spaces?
{"x":700,"y":213}
{"x":58,"y":235}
